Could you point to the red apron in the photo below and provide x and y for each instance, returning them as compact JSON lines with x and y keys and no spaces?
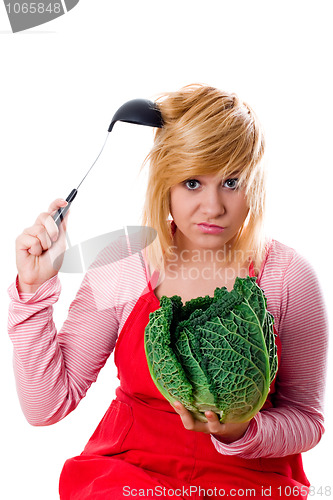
{"x":141,"y":448}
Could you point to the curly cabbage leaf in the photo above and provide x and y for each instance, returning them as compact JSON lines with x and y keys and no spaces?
{"x":214,"y":353}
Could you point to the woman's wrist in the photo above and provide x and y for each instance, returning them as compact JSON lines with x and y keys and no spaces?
{"x":232,"y":432}
{"x":25,"y":288}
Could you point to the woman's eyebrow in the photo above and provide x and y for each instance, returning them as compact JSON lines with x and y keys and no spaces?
{"x":233,"y":174}
{"x":203,"y":177}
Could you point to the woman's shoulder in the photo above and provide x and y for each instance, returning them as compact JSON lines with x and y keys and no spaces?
{"x":281,"y":256}
{"x":287,"y":279}
{"x":276,"y":250}
{"x":284,"y":264}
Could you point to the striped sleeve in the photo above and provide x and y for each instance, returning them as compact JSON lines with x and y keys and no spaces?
{"x":296,"y":422}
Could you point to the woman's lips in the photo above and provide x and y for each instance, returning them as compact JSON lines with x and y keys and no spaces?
{"x":210,"y":228}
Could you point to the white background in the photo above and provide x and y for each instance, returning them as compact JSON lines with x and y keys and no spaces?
{"x":60,"y":85}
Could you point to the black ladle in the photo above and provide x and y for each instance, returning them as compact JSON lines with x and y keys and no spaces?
{"x":138,"y":111}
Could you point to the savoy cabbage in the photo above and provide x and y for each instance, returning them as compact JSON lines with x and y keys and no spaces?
{"x":214,"y":353}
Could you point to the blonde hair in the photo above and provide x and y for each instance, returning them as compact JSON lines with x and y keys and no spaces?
{"x":206,"y":131}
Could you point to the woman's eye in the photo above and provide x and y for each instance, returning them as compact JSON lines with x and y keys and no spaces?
{"x":231,"y":183}
{"x":191,"y":184}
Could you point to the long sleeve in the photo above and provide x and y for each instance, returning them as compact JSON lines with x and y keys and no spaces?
{"x":54,"y":370}
{"x":296,"y":422}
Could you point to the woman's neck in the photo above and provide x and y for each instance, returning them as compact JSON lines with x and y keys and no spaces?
{"x":189,"y":256}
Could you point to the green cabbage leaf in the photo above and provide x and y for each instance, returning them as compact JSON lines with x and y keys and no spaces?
{"x":214,"y":353}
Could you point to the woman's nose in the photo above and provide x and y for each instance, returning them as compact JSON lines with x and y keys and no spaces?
{"x":212,"y":203}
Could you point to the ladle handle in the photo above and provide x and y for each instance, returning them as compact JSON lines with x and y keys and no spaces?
{"x":61,"y":212}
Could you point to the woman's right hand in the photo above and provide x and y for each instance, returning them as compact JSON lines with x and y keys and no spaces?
{"x":40,"y":249}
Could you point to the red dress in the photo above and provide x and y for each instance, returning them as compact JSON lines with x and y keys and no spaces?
{"x":141,"y":448}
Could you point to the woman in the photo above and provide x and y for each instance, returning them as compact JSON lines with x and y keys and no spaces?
{"x":205,"y":199}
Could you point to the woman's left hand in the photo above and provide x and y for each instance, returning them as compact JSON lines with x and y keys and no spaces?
{"x":227,"y":433}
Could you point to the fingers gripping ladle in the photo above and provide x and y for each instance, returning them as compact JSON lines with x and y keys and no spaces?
{"x":138,"y":111}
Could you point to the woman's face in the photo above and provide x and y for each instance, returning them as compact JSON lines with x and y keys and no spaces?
{"x":208,"y":211}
